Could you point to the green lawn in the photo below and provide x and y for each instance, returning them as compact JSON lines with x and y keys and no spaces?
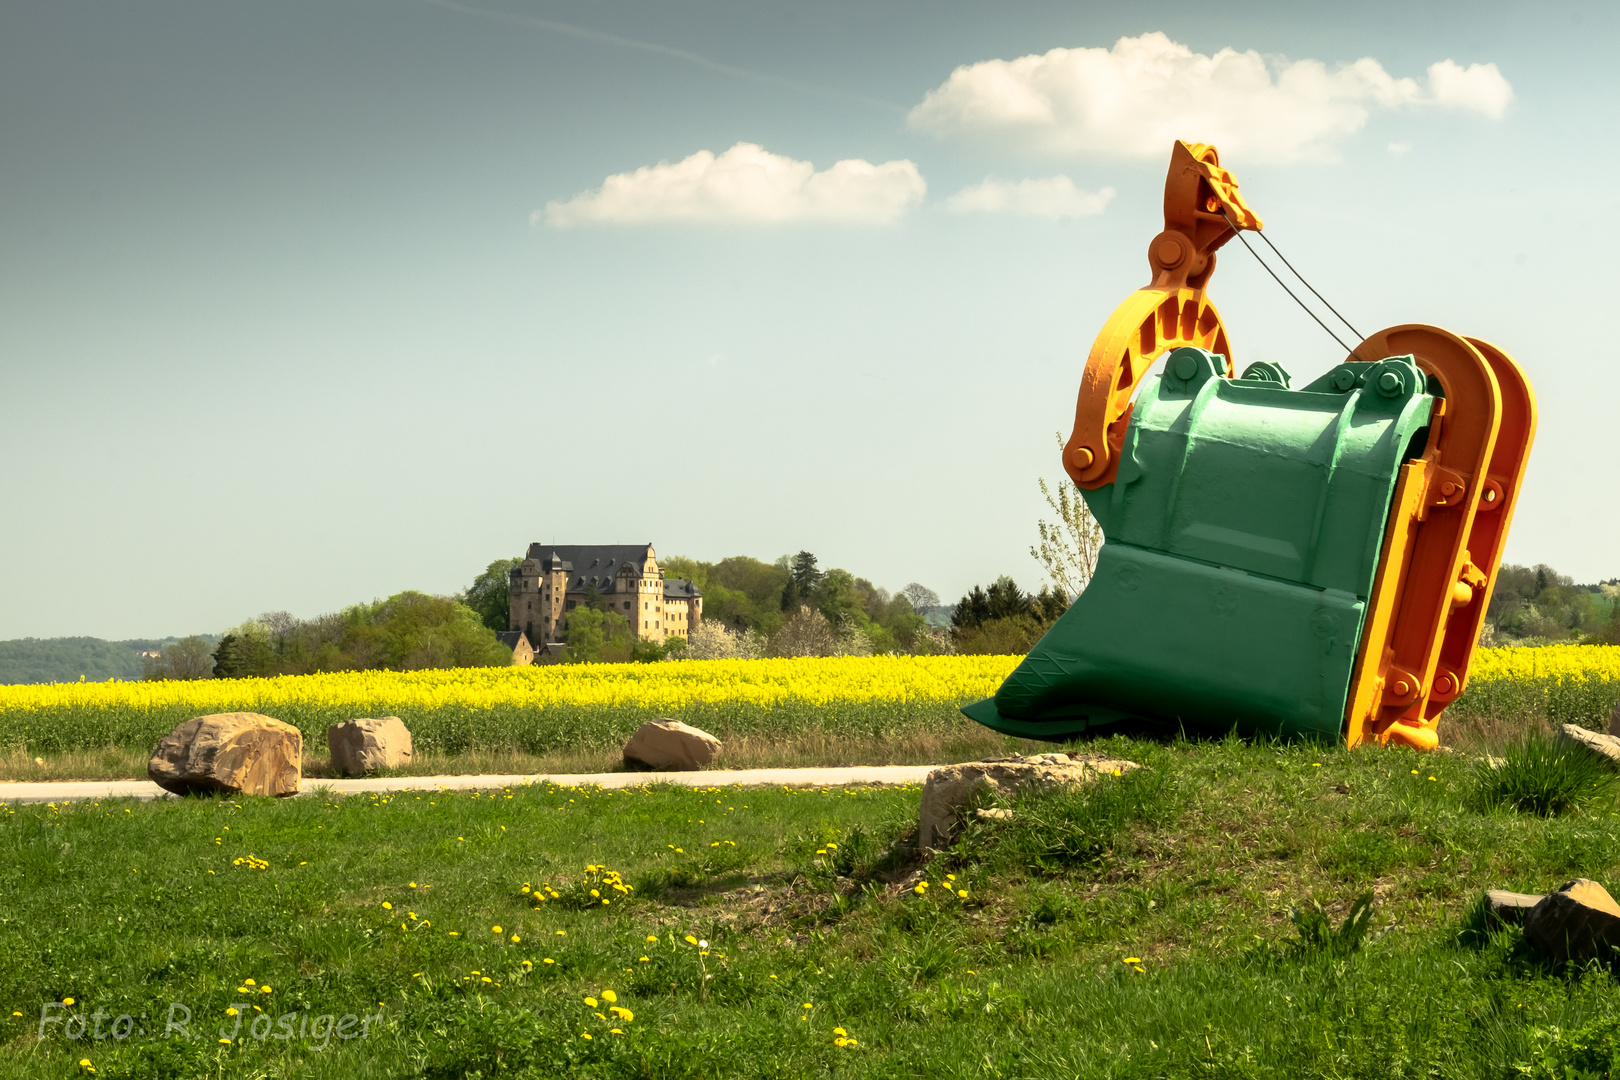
{"x":807,"y":903}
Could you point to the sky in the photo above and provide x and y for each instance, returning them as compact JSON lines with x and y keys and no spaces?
{"x":303,"y":304}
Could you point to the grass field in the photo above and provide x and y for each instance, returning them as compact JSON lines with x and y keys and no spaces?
{"x":1140,"y":929}
{"x":848,"y":710}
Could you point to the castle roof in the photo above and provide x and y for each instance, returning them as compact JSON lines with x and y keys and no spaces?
{"x":677,"y":589}
{"x":589,"y":560}
{"x":597,"y":566}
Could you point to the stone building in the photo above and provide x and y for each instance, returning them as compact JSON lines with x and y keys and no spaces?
{"x":553,"y":580}
{"x":518,"y":642}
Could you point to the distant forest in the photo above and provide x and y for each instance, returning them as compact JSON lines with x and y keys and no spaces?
{"x":1531,"y":605}
{"x":43,"y":660}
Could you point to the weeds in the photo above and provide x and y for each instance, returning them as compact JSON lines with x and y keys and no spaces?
{"x":1317,"y":937}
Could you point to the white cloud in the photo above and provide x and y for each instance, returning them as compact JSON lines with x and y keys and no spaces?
{"x":1056,"y":197}
{"x":745,"y":184}
{"x":1399,"y":149}
{"x":1134,"y":99}
{"x":1479,"y":87}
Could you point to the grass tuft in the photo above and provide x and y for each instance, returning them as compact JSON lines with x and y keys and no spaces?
{"x":1536,"y":775}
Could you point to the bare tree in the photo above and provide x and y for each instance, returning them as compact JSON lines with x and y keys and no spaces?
{"x":921,"y":597}
{"x":1068,"y":547}
{"x":806,"y":633}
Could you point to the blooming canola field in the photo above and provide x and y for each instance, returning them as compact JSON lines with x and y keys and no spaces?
{"x":596,"y":706}
{"x":533,"y":709}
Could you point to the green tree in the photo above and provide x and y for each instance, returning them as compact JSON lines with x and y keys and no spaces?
{"x":244,"y":652}
{"x":188,"y":658}
{"x":1003,"y":619}
{"x":490,"y":594}
{"x":802,"y":569}
{"x":597,"y":636}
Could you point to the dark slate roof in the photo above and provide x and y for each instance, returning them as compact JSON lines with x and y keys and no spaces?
{"x":676,"y":589}
{"x":589,"y":564}
{"x":510,"y":638}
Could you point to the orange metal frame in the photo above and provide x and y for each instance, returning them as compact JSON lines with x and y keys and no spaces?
{"x":1452,"y":505}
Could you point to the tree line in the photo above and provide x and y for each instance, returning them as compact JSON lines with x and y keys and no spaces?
{"x":1536,"y":605}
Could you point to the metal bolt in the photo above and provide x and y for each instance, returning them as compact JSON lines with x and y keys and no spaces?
{"x":1186,"y":366}
{"x":1390,"y":384}
{"x":1344,"y":379}
{"x":1083,"y":457}
{"x":1448,"y":488}
{"x":1402,"y":688}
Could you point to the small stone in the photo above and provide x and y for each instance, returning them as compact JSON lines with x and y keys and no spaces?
{"x":364,"y":745}
{"x":239,"y":753}
{"x":1579,"y":921}
{"x":1509,"y":908}
{"x":1606,"y":747}
{"x":949,"y":790}
{"x":670,"y":744}
{"x":1342,"y":789}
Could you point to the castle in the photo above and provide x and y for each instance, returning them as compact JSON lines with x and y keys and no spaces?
{"x":554,"y":580}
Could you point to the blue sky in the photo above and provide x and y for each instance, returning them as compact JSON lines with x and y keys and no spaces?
{"x":307,"y":303}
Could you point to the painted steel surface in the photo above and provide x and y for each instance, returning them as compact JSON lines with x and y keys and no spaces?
{"x":1243,"y":533}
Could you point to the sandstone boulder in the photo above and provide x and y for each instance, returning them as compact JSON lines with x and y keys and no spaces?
{"x":1606,"y":747}
{"x":238,"y":753}
{"x":670,"y":744}
{"x":1509,"y":908}
{"x":1579,"y":921}
{"x":364,"y":745}
{"x":951,"y":789}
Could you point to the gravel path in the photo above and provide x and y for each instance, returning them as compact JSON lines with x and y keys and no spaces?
{"x":75,"y":790}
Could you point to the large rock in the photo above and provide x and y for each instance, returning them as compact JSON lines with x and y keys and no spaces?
{"x":670,"y":744}
{"x":239,"y":753}
{"x":364,"y":745}
{"x":951,"y":789}
{"x":1614,"y":720}
{"x":1509,"y":908}
{"x":1606,"y":747}
{"x":1578,"y":921}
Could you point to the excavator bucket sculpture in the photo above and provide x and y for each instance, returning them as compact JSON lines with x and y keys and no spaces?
{"x":1310,"y":562}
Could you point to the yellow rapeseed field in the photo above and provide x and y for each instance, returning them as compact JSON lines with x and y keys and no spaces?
{"x":534,"y":708}
{"x":543,"y":708}
{"x":1561,"y":684}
